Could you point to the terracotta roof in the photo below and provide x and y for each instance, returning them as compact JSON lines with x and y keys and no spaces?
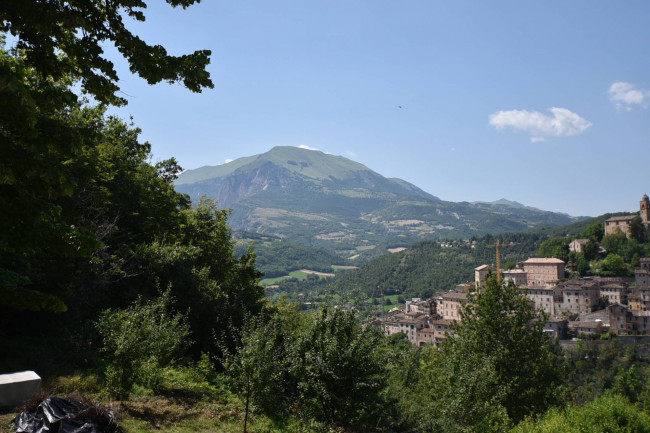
{"x":443,"y":322}
{"x":458,"y":296}
{"x":585,"y":324}
{"x":621,"y":218}
{"x":543,"y":260}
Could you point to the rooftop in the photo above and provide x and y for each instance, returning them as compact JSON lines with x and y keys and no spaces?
{"x":543,"y":260}
{"x":621,"y":218}
{"x":457,"y":296}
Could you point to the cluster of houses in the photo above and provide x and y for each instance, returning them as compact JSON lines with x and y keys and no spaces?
{"x":574,"y":307}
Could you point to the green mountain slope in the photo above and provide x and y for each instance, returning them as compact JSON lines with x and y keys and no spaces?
{"x":330,"y":202}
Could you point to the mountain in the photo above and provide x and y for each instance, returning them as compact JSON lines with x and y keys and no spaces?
{"x":331,"y":202}
{"x":502,"y":201}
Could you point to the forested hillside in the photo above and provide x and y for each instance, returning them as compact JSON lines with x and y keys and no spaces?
{"x":427,"y":267}
{"x":277,"y":257}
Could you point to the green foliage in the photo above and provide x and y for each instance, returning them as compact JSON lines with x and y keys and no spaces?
{"x":62,"y":39}
{"x":594,"y":232}
{"x":278,"y":257}
{"x":428,"y":268}
{"x":498,"y":366}
{"x":637,"y":230}
{"x":140,"y":340}
{"x":613,"y":266}
{"x":609,"y":413}
{"x":555,"y":247}
{"x":594,"y":368}
{"x":328,"y":367}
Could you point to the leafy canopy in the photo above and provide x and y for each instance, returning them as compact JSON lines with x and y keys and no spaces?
{"x":65,"y":39}
{"x":496,"y":368}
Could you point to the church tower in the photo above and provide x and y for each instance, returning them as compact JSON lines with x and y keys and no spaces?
{"x":644,"y":208}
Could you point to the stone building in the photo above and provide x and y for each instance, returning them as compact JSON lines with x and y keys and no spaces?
{"x":544,"y":297}
{"x":577,"y":296}
{"x":406,"y":323}
{"x":518,"y":276}
{"x":543,"y":271}
{"x":615,"y":293}
{"x":452,"y":305}
{"x":623,"y":320}
{"x":642,"y":273}
{"x":623,"y":223}
{"x":480,"y":274}
{"x":577,"y":328}
{"x":426,"y":307}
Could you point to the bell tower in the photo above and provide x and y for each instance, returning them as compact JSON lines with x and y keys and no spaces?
{"x":644,"y":208}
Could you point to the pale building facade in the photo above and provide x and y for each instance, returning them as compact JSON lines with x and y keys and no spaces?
{"x":577,"y":297}
{"x":543,"y":297}
{"x":480,"y":274}
{"x":615,"y":293}
{"x":543,"y":271}
{"x":452,"y":305}
{"x":518,"y":276}
{"x":576,"y":245}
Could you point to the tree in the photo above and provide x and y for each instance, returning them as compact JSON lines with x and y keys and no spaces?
{"x":340,"y":369}
{"x":66,"y":39}
{"x":637,"y":230}
{"x":557,"y":247}
{"x":613,"y":266}
{"x":615,"y":242}
{"x":590,"y":250}
{"x":497,"y":366}
{"x":259,"y":370}
{"x":594,"y":232}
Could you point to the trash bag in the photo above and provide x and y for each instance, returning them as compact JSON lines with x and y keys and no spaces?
{"x":66,"y":415}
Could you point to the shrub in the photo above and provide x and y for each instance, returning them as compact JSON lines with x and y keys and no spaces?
{"x":140,"y":340}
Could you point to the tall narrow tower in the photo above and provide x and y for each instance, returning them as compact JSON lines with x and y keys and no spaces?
{"x":644,"y":208}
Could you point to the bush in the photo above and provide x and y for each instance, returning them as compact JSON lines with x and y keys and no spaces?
{"x":140,"y":340}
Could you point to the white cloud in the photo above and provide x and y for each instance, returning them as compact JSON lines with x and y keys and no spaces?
{"x":625,"y":96}
{"x":351,"y":154}
{"x":228,"y":160}
{"x":563,"y":122}
{"x":304,"y":146}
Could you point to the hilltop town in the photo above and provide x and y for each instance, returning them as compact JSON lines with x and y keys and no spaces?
{"x":588,"y":306}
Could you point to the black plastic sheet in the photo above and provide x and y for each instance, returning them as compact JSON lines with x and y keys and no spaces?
{"x":66,"y":415}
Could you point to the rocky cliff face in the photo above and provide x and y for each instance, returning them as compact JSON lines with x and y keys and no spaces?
{"x":239,"y":185}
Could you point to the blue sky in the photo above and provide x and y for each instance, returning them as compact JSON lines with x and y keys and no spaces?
{"x":545,"y":103}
